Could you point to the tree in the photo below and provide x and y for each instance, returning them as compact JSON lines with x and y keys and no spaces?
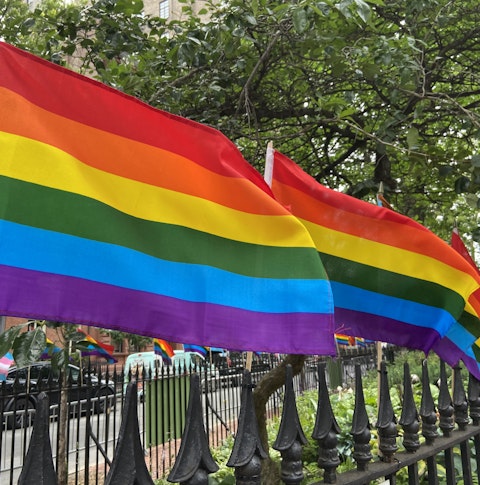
{"x":357,"y":92}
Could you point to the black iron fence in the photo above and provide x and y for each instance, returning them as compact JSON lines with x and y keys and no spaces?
{"x":431,"y":435}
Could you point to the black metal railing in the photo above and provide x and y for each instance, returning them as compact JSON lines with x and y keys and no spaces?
{"x":194,"y":462}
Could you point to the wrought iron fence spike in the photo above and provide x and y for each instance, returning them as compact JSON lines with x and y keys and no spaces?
{"x":194,"y":461}
{"x":445,"y":406}
{"x":38,"y":468}
{"x":128,"y":466}
{"x":474,"y":398}
{"x":290,"y":437}
{"x":362,"y":452}
{"x":326,"y":430}
{"x":248,"y":450}
{"x":460,"y":404}
{"x":409,"y":419}
{"x":427,"y":408}
{"x":386,"y":422}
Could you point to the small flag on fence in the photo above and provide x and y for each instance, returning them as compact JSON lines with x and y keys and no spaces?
{"x":197,"y":349}
{"x":97,"y":349}
{"x":164,"y":349}
{"x":5,"y":363}
{"x":50,"y":349}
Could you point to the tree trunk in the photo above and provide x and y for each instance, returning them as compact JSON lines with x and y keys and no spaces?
{"x":62,"y":472}
{"x":269,"y":383}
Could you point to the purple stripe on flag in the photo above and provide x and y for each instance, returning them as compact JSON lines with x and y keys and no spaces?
{"x":24,"y":293}
{"x":380,"y":328}
{"x":451,"y":354}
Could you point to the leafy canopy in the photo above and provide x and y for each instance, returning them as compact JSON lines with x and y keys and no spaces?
{"x":358,"y":92}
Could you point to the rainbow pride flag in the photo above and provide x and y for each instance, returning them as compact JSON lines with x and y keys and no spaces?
{"x":164,"y":349}
{"x":118,"y":215}
{"x":392,"y":279}
{"x":92,"y":347}
{"x":451,"y":348}
{"x":50,"y":349}
{"x":197,"y":349}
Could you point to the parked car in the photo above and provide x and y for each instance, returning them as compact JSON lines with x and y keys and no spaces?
{"x":23,"y":385}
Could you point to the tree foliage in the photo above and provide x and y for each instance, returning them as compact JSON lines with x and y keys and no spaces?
{"x":356,"y":91}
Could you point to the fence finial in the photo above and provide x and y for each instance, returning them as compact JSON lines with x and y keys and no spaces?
{"x":459,"y":399}
{"x":362,"y":452}
{"x":247,"y":450}
{"x":128,"y":466}
{"x":291,"y":437}
{"x":386,"y":421}
{"x":38,"y":466}
{"x":194,"y":461}
{"x":445,"y":406}
{"x":409,"y":419}
{"x":474,"y":399}
{"x":427,"y":408}
{"x":326,"y":430}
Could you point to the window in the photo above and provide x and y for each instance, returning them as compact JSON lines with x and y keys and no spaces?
{"x":164,"y":12}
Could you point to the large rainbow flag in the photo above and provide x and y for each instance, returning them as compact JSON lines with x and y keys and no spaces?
{"x":119,"y":215}
{"x":392,"y":279}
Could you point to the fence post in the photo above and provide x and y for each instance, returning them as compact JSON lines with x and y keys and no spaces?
{"x":38,"y":466}
{"x":194,"y":461}
{"x":362,"y":452}
{"x":326,"y":430}
{"x":474,"y":401}
{"x":290,"y":438}
{"x":248,"y":450}
{"x":128,"y":465}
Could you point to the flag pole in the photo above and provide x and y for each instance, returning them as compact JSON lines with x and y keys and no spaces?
{"x":267,"y":176}
{"x":380,"y":200}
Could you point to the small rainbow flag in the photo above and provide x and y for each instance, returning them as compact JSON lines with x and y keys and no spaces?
{"x":197,"y":349}
{"x":95,"y":348}
{"x":50,"y":349}
{"x":164,"y":349}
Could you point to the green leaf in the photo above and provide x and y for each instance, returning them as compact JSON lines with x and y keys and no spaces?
{"x":300,"y":20}
{"x":29,"y":346}
{"x":363,"y":10}
{"x":412,"y":138}
{"x":7,"y":338}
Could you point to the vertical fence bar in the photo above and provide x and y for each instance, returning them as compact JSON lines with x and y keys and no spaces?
{"x":326,"y":430}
